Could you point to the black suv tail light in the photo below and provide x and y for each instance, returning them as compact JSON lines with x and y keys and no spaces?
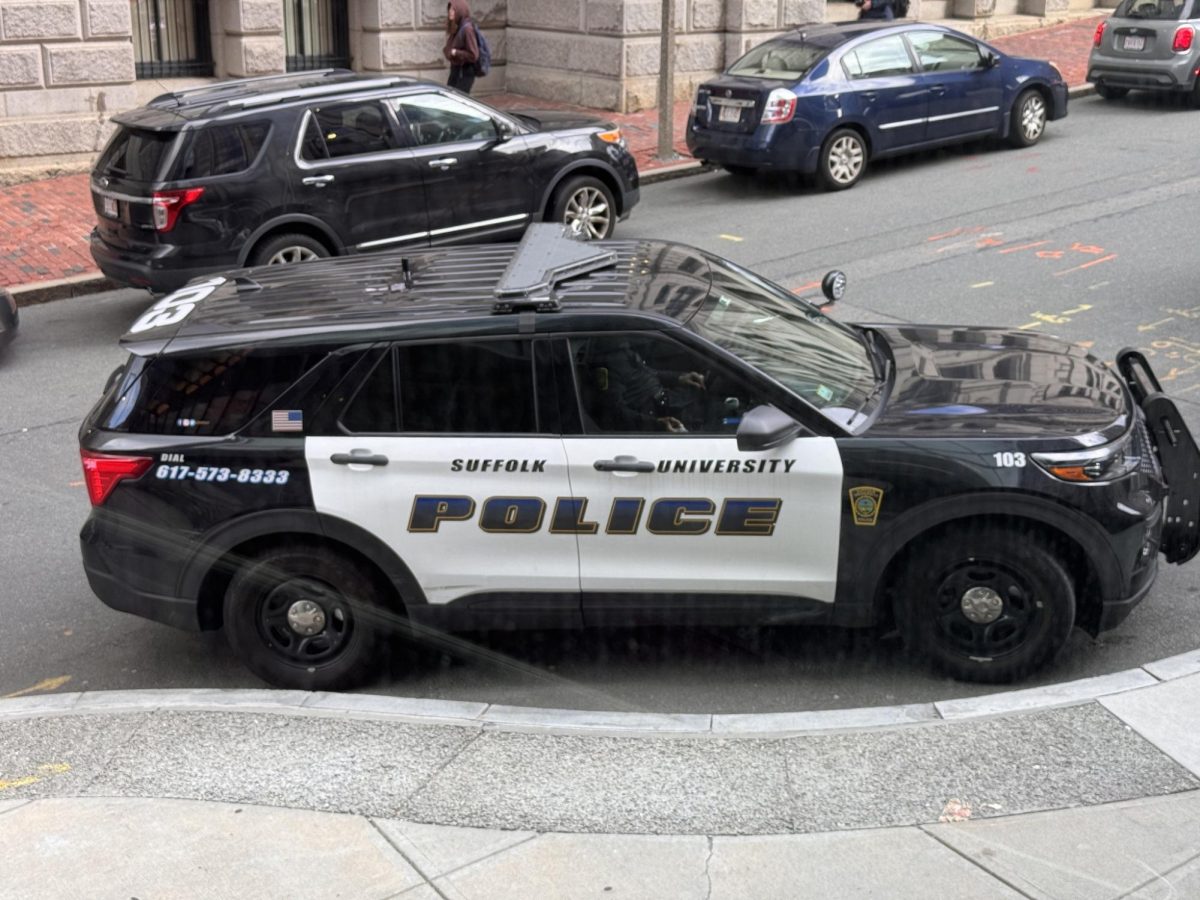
{"x":102,"y":472}
{"x":169,"y":204}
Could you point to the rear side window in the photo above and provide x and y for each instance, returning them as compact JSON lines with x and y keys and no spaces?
{"x":879,"y":59}
{"x":221,"y":150}
{"x":137,"y":155}
{"x":483,"y":387}
{"x":1155,"y":9}
{"x":346,"y":129}
{"x":788,"y":60}
{"x":205,"y":394}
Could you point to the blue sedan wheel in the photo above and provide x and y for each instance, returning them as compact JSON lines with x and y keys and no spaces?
{"x":843,"y":159}
{"x":1028,"y":119}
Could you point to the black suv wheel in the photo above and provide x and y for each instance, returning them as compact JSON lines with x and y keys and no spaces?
{"x":288,"y":248}
{"x":585,"y":205}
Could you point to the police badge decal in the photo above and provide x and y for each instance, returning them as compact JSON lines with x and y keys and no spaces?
{"x":864,"y":504}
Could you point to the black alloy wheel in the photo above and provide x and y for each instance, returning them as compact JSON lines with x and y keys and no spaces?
{"x":986,"y":606}
{"x":304,"y":617}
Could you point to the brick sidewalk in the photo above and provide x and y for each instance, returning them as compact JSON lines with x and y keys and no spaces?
{"x":47,"y":222}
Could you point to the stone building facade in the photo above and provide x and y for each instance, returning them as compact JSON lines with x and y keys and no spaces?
{"x":66,"y":65}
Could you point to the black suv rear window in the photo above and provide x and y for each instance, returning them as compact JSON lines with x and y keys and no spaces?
{"x":220,"y":150}
{"x":136,"y":155}
{"x":206,"y":394}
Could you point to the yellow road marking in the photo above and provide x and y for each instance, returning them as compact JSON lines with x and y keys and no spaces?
{"x":983,"y":284}
{"x":43,"y":772}
{"x":47,"y":684}
{"x":1153,"y":325}
{"x":731,"y":237}
{"x":1029,"y":325}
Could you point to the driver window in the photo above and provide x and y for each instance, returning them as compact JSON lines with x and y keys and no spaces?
{"x":648,"y":384}
{"x":436,"y":118}
{"x":941,"y":52}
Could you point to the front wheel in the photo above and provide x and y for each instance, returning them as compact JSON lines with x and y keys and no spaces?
{"x":985,"y":606}
{"x":843,"y":160}
{"x":585,"y":205}
{"x":304,"y":617}
{"x":1028,"y":119}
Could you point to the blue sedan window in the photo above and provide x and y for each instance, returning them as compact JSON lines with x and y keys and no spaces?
{"x":941,"y":52}
{"x":879,"y":59}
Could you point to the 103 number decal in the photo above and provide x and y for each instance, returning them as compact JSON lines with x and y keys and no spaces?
{"x":1008,"y":460}
{"x":222,"y":475}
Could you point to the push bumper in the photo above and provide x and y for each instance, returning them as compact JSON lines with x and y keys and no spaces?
{"x":160,"y":274}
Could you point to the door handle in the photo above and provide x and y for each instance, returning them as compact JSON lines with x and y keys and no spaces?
{"x":317,"y":180}
{"x":359,"y":458}
{"x":623,"y":464}
{"x":444,"y":163}
{"x":869,"y":96}
{"x":938,"y":89}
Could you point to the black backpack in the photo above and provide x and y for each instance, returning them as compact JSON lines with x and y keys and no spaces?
{"x":484,"y":64}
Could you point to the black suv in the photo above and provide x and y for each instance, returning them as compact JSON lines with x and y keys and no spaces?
{"x":293,"y":167}
{"x":563,"y":434}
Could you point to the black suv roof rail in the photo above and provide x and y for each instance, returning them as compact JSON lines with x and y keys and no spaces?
{"x":358,"y":84}
{"x":207,"y":93}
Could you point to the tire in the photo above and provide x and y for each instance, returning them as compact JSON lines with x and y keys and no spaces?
{"x":264,"y":596}
{"x":1110,"y":93}
{"x":741,"y":171}
{"x":1029,"y":117}
{"x":585,"y":205}
{"x":999,"y":643}
{"x":843,"y":160}
{"x":288,"y":248}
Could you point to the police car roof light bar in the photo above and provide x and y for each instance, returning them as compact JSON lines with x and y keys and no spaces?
{"x":548,"y":254}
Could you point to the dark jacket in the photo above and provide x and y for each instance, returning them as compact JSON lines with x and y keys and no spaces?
{"x":462,"y":38}
{"x":880,"y":9}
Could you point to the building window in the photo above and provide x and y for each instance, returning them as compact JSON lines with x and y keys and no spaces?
{"x":318,"y":34}
{"x":171,"y":38}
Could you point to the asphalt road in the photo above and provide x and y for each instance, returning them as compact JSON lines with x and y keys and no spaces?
{"x":1089,"y":235}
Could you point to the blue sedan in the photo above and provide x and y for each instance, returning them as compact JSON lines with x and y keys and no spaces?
{"x":826,"y":99}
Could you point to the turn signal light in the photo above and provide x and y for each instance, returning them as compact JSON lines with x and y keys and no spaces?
{"x":1183,"y":38}
{"x":1099,"y":36}
{"x":610,"y":137}
{"x":781,"y":106}
{"x":169,"y":204}
{"x":102,"y":473}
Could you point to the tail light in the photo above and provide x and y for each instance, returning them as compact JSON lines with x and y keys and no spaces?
{"x":1183,"y":38}
{"x":169,"y":204}
{"x":781,"y":106}
{"x":1099,"y":35}
{"x":102,"y":472}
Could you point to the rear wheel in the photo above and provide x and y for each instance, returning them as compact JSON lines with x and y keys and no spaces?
{"x":1028,"y":119}
{"x":1110,"y":93}
{"x":843,"y":160}
{"x":306,"y":618}
{"x":986,"y":605}
{"x":288,"y":248}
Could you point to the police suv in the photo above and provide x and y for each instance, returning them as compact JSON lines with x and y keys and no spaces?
{"x":560,"y":433}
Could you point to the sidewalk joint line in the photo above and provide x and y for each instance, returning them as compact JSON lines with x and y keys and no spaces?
{"x":442,"y":768}
{"x":924,"y":828}
{"x":1159,"y":876}
{"x":707,"y":863}
{"x":18,"y":805}
{"x":533,"y":837}
{"x":404,"y":856}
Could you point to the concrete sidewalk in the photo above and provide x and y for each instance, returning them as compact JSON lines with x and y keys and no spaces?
{"x":1089,"y":789}
{"x":44,"y":242}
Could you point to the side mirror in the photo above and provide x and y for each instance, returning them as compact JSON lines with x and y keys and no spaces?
{"x":990,"y":59}
{"x":833,"y":286}
{"x":504,"y":131}
{"x":765,"y":428}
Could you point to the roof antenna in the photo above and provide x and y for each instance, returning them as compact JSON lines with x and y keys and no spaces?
{"x":406,"y":271}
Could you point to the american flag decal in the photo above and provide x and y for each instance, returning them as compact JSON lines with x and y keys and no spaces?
{"x":287,"y":420}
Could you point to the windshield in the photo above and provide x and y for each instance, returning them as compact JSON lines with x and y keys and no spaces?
{"x":788,"y":339}
{"x":1165,"y":10}
{"x":785,"y":60}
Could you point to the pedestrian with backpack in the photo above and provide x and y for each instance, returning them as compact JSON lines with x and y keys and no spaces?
{"x":462,"y":45}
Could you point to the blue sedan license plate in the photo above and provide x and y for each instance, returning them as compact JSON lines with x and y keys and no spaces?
{"x":730,"y":114}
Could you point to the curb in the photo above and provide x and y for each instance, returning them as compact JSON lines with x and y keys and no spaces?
{"x":497,"y":717}
{"x":61,"y":288}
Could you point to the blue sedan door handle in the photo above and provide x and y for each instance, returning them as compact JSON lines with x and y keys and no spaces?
{"x":937,"y":90}
{"x":869,"y":96}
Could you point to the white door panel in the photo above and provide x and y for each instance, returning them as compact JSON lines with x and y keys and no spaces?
{"x":465,"y":514}
{"x":709,"y":518}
